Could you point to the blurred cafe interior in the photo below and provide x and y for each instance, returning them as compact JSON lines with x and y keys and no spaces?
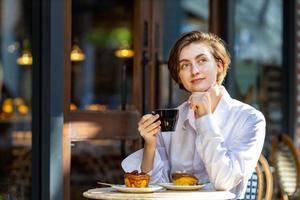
{"x":76,"y":75}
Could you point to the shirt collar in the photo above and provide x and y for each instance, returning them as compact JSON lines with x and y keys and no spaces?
{"x":219,"y":114}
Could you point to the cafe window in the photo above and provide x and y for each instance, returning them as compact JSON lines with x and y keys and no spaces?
{"x":257,"y":60}
{"x":102,"y":55}
{"x":101,"y":92}
{"x":15,"y":99}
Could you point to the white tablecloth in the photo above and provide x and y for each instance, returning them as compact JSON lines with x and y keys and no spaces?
{"x":112,"y":194}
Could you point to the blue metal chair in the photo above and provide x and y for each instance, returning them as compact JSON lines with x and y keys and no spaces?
{"x":252,"y":187}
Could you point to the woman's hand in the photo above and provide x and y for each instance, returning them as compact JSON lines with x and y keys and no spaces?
{"x":148,"y":127}
{"x":200,"y":102}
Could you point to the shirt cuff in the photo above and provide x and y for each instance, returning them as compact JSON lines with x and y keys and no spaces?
{"x":134,"y":161}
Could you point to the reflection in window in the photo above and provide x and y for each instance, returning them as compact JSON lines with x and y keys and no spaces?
{"x":102,"y":32}
{"x":258,"y":57}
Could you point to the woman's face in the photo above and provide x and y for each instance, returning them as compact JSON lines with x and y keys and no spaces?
{"x":198,"y":68}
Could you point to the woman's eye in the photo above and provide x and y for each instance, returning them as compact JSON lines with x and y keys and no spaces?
{"x":185,"y":66}
{"x":202,"y":60}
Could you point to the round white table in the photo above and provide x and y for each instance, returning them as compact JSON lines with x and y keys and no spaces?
{"x":112,"y":194}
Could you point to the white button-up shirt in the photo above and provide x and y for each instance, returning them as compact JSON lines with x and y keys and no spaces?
{"x":222,"y":147}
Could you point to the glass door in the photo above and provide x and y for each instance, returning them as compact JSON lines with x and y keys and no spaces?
{"x":105,"y":100}
{"x":102,"y":55}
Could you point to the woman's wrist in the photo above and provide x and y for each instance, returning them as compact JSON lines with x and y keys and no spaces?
{"x":148,"y":157}
{"x":149,"y":146}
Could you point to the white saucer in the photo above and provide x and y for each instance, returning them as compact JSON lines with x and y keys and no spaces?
{"x":150,"y":188}
{"x":171,"y":186}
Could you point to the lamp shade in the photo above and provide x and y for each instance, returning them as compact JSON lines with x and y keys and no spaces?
{"x":76,"y":54}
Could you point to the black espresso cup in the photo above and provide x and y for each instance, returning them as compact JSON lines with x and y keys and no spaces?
{"x":168,"y":118}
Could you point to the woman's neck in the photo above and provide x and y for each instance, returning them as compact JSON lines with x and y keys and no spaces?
{"x":216,"y":95}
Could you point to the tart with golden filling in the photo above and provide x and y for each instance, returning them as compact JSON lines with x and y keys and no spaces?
{"x":182,"y":178}
{"x":136,"y":180}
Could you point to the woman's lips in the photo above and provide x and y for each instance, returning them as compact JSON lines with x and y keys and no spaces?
{"x":197,"y":80}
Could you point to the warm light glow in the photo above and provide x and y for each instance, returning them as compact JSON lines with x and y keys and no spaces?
{"x":96,"y":107}
{"x":15,"y":105}
{"x":124,"y":53}
{"x":25,"y":58}
{"x":76,"y":54}
{"x":23,"y":109}
{"x":73,"y":106}
{"x":7,"y":106}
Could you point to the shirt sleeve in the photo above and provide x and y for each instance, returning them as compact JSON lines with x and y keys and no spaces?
{"x":161,"y":168}
{"x":229,"y":164}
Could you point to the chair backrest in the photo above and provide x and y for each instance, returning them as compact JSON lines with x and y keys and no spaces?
{"x":285,"y":159}
{"x":265,"y":186}
{"x":260,"y":185}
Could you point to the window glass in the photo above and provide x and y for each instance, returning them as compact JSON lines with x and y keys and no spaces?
{"x":258,"y":58}
{"x":102,"y":68}
{"x":15,"y":99}
{"x":102,"y":54}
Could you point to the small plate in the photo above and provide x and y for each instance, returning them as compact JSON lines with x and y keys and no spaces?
{"x":150,"y":188}
{"x":171,"y":186}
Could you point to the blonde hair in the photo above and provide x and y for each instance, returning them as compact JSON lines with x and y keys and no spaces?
{"x":213,"y":42}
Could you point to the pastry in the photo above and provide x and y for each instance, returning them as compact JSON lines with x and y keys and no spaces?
{"x":136,"y":180}
{"x":182,"y":178}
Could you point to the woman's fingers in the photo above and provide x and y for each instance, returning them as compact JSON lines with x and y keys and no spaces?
{"x":144,"y":118}
{"x":152,"y":126}
{"x":200,"y":102}
{"x":149,"y":128}
{"x":148,"y":119}
{"x":154,"y":131}
{"x":148,"y":123}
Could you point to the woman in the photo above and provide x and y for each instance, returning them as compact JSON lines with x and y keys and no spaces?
{"x":217,"y":138}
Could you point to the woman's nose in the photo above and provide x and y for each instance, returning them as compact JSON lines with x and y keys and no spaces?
{"x":195,"y":68}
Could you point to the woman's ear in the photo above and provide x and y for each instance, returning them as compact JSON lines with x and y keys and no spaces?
{"x":220,"y":69}
{"x":220,"y":66}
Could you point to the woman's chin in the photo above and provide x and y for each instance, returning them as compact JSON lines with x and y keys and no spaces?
{"x":200,"y":89}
